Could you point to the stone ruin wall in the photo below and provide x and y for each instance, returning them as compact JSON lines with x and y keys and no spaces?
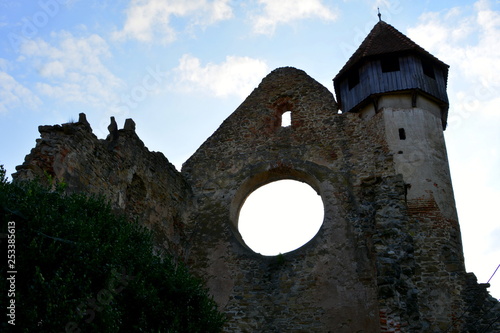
{"x":329,"y":281}
{"x":137,"y":182}
{"x":377,"y":264}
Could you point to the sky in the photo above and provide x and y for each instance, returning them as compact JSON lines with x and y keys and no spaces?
{"x":180,"y":67}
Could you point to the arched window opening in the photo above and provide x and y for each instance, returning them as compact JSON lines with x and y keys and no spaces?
{"x":280,"y":217}
{"x":286,"y":119}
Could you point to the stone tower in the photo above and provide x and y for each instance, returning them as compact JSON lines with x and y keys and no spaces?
{"x":392,"y":76}
{"x":388,"y":256}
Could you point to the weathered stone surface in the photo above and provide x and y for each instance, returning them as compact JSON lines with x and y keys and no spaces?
{"x":140,"y":183}
{"x":388,"y":257}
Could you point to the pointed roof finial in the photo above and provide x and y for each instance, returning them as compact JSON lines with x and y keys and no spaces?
{"x":379,"y":15}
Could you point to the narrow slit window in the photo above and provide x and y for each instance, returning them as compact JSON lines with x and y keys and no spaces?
{"x":402,"y":134}
{"x":286,"y":119}
{"x":390,"y":64}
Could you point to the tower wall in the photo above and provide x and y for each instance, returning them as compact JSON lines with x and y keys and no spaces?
{"x":415,"y":137}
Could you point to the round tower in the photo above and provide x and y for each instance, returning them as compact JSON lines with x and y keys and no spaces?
{"x":392,"y":75}
{"x":391,"y":78}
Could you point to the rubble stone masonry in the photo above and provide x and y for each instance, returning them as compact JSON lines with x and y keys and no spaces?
{"x":384,"y":260}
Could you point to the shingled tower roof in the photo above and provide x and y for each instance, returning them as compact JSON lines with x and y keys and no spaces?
{"x":384,"y":39}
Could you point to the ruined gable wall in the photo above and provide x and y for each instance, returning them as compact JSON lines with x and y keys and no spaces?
{"x":140,"y":183}
{"x":331,"y":283}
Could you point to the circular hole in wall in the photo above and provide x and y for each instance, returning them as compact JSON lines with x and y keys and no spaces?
{"x":280,"y":217}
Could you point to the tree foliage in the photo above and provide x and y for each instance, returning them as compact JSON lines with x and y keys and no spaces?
{"x":80,"y":268}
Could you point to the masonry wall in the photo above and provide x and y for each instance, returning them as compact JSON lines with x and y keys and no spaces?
{"x":384,"y":260}
{"x":137,"y":182}
{"x":329,"y":284}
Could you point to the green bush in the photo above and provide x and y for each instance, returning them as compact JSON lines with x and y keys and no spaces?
{"x":80,"y":268}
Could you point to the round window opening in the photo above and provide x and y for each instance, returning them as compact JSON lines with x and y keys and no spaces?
{"x":280,"y":217}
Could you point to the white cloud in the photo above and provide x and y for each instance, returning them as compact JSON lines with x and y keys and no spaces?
{"x":469,"y":42}
{"x":150,"y":20}
{"x":73,"y":69}
{"x":4,"y":64}
{"x":236,"y":76}
{"x":279,"y":12}
{"x":13,"y":94}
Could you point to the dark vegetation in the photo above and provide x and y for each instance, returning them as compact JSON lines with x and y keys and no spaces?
{"x":81,"y":268}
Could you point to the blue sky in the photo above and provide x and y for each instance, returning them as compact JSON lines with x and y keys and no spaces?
{"x":180,"y":67}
